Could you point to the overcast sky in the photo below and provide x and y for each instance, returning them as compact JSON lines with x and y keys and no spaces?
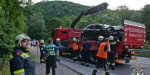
{"x":132,"y":4}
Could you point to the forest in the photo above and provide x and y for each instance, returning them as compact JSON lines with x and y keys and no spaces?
{"x":38,"y":20}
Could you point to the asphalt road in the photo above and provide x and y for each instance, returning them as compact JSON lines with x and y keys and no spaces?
{"x":122,"y":68}
{"x":65,"y":63}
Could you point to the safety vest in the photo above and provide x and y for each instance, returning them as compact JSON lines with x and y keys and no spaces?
{"x":101,"y":53}
{"x":51,"y":50}
{"x":75,"y":46}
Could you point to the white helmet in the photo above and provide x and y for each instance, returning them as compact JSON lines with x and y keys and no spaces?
{"x":41,"y":41}
{"x":21,"y":37}
{"x":74,"y":39}
{"x":111,"y":37}
{"x":100,"y":38}
{"x":58,"y":39}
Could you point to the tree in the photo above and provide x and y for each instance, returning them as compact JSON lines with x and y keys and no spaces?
{"x":36,"y":29}
{"x":145,"y":18}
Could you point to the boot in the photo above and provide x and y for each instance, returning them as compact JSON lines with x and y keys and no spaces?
{"x":87,"y":64}
{"x":107,"y":73}
{"x":94,"y":72}
{"x":82,"y":63}
{"x":113,"y":68}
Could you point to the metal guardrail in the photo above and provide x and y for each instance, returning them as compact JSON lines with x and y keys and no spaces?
{"x":140,"y":50}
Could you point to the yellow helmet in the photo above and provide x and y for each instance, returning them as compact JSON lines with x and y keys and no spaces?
{"x":100,"y":37}
{"x":111,"y":37}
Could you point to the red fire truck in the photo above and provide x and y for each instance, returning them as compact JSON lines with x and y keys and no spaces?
{"x":131,"y":36}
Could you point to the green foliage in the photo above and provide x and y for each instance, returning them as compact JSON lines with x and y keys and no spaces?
{"x":36,"y":28}
{"x":11,"y":24}
{"x":58,"y":9}
{"x":53,"y":23}
{"x":145,"y":18}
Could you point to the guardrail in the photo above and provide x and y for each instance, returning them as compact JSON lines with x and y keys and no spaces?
{"x":140,"y":50}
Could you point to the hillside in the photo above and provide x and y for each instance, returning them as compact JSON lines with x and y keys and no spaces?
{"x":59,"y":9}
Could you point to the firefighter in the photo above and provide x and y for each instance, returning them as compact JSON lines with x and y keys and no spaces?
{"x":100,"y":40}
{"x":52,"y":55}
{"x":111,"y":55}
{"x":85,"y":51}
{"x":42,"y":58}
{"x":102,"y":56}
{"x":75,"y":49}
{"x":58,"y":45}
{"x":20,"y":61}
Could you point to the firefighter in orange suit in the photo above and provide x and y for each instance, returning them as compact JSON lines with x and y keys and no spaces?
{"x":102,"y":57}
{"x":75,"y":49}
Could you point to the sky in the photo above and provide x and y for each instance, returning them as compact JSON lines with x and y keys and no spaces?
{"x":132,"y":4}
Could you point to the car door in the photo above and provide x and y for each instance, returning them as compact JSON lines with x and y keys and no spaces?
{"x":89,"y":31}
{"x":97,"y":31}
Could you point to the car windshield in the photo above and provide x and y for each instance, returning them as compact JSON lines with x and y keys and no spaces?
{"x":106,"y":26}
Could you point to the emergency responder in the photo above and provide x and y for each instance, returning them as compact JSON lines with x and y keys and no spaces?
{"x":111,"y":54}
{"x":85,"y":51}
{"x":42,"y":58}
{"x":20,"y":61}
{"x":52,"y":55}
{"x":75,"y":49}
{"x":102,"y":56}
{"x":58,"y":45}
{"x":100,"y":40}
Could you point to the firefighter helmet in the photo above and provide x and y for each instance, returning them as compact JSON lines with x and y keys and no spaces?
{"x":57,"y":39}
{"x":21,"y":37}
{"x":111,"y":37}
{"x":100,"y":38}
{"x":41,"y":41}
{"x":74,"y":39}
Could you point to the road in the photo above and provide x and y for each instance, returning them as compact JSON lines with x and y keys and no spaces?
{"x":122,"y":68}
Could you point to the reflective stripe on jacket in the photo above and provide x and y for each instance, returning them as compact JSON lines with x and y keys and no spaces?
{"x":101,"y":51}
{"x":75,"y":46}
{"x":21,"y":63}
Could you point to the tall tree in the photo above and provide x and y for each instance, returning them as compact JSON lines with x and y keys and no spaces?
{"x":145,"y":18}
{"x":36,"y":29}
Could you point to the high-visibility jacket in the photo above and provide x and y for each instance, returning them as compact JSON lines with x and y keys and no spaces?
{"x":21,"y":63}
{"x":75,"y":46}
{"x":102,"y":53}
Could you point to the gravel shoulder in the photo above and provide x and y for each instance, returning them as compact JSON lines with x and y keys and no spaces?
{"x":40,"y":67}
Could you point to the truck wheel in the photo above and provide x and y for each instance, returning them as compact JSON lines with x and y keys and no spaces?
{"x":127,"y":61}
{"x":92,"y":57}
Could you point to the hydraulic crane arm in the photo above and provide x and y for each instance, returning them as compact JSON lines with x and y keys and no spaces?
{"x":92,"y":10}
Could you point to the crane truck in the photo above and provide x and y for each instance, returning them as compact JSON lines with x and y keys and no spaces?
{"x":132,"y":35}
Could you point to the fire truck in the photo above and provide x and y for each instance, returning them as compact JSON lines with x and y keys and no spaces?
{"x":132,"y":35}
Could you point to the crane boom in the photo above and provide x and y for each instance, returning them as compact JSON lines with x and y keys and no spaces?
{"x":92,"y":10}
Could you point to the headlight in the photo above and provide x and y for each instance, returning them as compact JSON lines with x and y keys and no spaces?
{"x":126,"y":47}
{"x":141,"y":46}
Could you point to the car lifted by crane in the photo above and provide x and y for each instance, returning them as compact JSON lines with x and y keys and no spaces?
{"x":131,"y":35}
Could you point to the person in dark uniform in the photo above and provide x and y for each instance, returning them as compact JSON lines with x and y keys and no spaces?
{"x":42,"y":59}
{"x":102,"y":57}
{"x":111,"y":56}
{"x":85,"y":51}
{"x":58,"y":45}
{"x":52,"y":55}
{"x":20,"y":61}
